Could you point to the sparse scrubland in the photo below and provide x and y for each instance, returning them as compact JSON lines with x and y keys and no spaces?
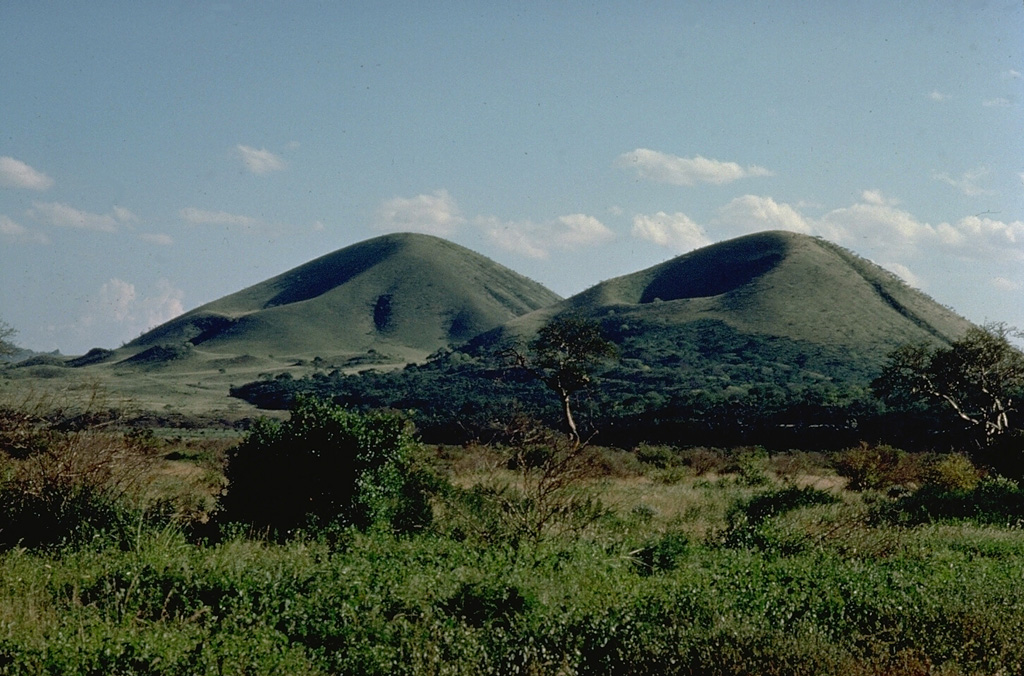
{"x":123,"y":554}
{"x":753,"y":486}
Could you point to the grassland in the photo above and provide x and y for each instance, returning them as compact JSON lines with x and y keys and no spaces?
{"x":650,"y":560}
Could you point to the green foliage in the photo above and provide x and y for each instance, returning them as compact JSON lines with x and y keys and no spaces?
{"x":662,"y":555}
{"x":326,"y":465}
{"x":750,"y":519}
{"x":992,"y":500}
{"x":952,"y":472}
{"x":658,"y":456}
{"x":978,"y":380}
{"x":702,"y":382}
{"x":482,"y":604}
{"x":566,"y":351}
{"x":876,"y":467}
{"x":750,"y":466}
{"x":563,"y":356}
{"x":7,"y":348}
{"x":429,"y":605}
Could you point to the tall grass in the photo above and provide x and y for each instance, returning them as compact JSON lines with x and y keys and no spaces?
{"x":748,"y":569}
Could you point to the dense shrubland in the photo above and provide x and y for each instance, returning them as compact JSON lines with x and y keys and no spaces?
{"x":533,"y":554}
{"x":702,"y":382}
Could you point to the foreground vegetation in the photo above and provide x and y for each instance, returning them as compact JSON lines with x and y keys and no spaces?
{"x":536,"y":556}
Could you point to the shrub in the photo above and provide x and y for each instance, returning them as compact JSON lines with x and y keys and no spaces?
{"x":876,"y":467}
{"x":993,"y":500}
{"x":661,"y":555}
{"x":481,"y":604}
{"x":953,"y":472}
{"x":749,"y":519}
{"x":703,"y":461}
{"x":325,"y":466}
{"x":657,"y":456}
{"x":750,"y":466}
{"x":62,"y":486}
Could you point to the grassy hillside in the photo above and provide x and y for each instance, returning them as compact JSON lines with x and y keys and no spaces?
{"x":764,"y":339}
{"x":775,"y":313}
{"x":775,"y":283}
{"x":404,"y":294}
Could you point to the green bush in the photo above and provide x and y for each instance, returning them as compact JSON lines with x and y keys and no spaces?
{"x":326,"y":466}
{"x":993,"y":500}
{"x":953,"y":472}
{"x":62,"y":515}
{"x":657,"y":456}
{"x":480,"y":604}
{"x":876,"y":467}
{"x":750,"y":466}
{"x":63,"y":487}
{"x":662,"y":555}
{"x":749,"y":520}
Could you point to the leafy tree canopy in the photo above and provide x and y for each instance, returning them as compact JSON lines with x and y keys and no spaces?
{"x":563,"y":356}
{"x":978,"y":380}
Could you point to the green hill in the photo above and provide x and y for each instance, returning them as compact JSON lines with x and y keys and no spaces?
{"x":770,"y":336}
{"x":402,"y":295}
{"x":777,"y":284}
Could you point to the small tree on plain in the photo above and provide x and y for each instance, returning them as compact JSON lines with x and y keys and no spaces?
{"x":563,"y":356}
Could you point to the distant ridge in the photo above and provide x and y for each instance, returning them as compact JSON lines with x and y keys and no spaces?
{"x":405,"y":295}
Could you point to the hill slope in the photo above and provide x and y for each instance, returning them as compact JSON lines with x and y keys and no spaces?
{"x":404,"y":294}
{"x":778,"y":284}
{"x":773,"y":336}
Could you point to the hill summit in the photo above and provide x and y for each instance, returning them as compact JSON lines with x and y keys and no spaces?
{"x":774,"y":283}
{"x":406,"y":295}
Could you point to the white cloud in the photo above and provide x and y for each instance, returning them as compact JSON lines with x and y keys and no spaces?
{"x":15,"y":232}
{"x":575,"y":230}
{"x":65,"y":216}
{"x":157,"y":238}
{"x":882,"y":224}
{"x":874,"y":220}
{"x":17,"y":174}
{"x":876,"y":197}
{"x":260,"y":161}
{"x":1012,"y":74}
{"x":433,"y":214}
{"x":674,"y":231}
{"x":753,"y":213}
{"x":116,"y":298}
{"x":537,"y":240}
{"x":166,"y":304}
{"x":936,"y":95}
{"x":905,"y":273}
{"x":119,"y":304}
{"x":203,"y":217}
{"x":686,"y":171}
{"x":967,"y":183}
{"x":998,"y":102}
{"x":988,"y":238}
{"x":1004,"y":284}
{"x":517,"y":237}
{"x":124,"y":215}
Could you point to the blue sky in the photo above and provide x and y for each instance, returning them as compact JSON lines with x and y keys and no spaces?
{"x":157,"y":156}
